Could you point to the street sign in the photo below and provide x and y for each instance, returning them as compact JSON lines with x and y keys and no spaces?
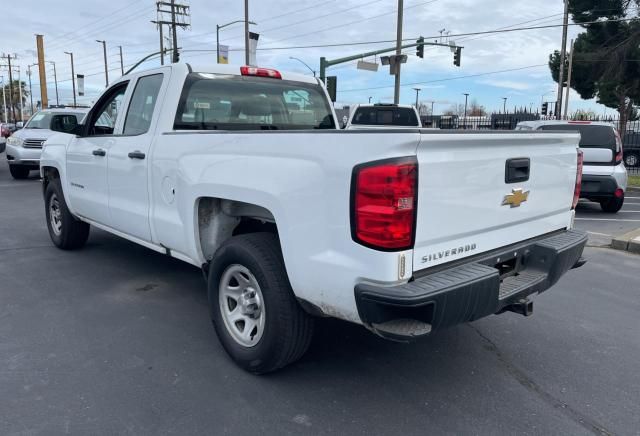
{"x":367,"y":66}
{"x":80,"y":81}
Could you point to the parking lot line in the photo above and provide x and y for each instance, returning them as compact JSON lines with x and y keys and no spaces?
{"x":608,"y":219}
{"x":600,"y":234}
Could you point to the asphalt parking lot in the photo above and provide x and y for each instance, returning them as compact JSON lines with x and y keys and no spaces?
{"x":116,"y":339}
{"x":603,"y":227}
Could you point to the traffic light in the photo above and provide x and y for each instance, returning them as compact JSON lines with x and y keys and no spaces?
{"x":545,"y":108}
{"x":420,"y":48}
{"x":457,"y":56}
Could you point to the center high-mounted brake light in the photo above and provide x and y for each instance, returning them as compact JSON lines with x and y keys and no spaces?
{"x":260,"y":72}
{"x":578,"y":187}
{"x":383,"y":204}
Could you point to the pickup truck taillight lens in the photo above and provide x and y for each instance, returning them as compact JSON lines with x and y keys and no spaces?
{"x":384,"y":198}
{"x":578,"y":187}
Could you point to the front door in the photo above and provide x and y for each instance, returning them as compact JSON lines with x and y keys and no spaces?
{"x":87,"y":188}
{"x":128,"y":161}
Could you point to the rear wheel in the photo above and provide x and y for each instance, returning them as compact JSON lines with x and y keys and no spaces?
{"x":254,"y":311}
{"x":65,"y":230}
{"x":19,"y":172}
{"x":631,"y":160}
{"x":612,"y":205}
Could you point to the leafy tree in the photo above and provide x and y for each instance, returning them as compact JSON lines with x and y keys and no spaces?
{"x":606,"y":55}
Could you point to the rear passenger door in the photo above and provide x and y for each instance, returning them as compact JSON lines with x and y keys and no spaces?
{"x":128,"y":164}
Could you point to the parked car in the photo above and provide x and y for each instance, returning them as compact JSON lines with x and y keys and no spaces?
{"x":290,"y":218}
{"x":6,"y":130}
{"x":383,"y":116}
{"x":604,"y":178}
{"x":25,"y":145}
{"x":631,"y":144}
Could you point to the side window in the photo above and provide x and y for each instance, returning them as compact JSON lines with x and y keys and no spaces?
{"x":103,"y":120}
{"x":143,"y":102}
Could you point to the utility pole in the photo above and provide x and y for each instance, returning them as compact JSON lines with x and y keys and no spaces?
{"x":396,"y":91}
{"x":417,"y":90}
{"x":73,"y":79}
{"x":106,"y":66}
{"x":13,"y":109}
{"x":20,"y":96}
{"x":174,"y":32}
{"x":42,"y":72}
{"x":175,"y":12}
{"x":246,"y":32}
{"x":504,"y":106}
{"x":121,"y":61}
{"x":566,"y":100}
{"x":432,"y":103}
{"x":563,"y":55}
{"x":55,"y":78}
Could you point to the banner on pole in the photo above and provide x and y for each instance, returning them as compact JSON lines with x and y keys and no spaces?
{"x":224,"y":54}
{"x":253,"y":46}
{"x":80,"y":81}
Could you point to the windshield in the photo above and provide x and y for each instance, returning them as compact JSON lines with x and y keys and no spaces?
{"x":215,"y":102}
{"x":591,"y":136}
{"x":42,"y":120}
{"x":385,"y":116}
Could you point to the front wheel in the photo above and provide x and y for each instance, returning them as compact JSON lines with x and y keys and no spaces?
{"x":612,"y":205}
{"x":66,"y":232}
{"x":253,"y":309}
{"x":19,"y":172}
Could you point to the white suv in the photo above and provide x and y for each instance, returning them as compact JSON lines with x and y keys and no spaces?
{"x":604,"y":176}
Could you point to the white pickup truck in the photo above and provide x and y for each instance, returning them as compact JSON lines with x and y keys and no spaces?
{"x":243,"y":172}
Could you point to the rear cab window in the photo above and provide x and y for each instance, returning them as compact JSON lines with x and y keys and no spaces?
{"x":385,"y":116}
{"x":225,"y":102}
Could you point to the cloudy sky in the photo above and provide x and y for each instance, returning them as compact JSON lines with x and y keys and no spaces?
{"x":511,"y":65}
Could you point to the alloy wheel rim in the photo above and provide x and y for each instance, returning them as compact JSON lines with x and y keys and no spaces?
{"x":55,"y":215}
{"x":242,"y":305}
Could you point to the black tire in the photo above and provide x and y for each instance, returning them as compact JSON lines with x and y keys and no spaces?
{"x":632,"y":160}
{"x":612,"y":205}
{"x":288,"y":329}
{"x":68,"y":233}
{"x":19,"y":172}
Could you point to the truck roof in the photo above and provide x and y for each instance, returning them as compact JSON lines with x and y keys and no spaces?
{"x":234,"y":70}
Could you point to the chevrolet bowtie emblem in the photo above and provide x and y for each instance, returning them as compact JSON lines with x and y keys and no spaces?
{"x":516,"y":198}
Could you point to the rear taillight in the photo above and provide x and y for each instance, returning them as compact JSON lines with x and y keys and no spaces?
{"x":260,"y":72}
{"x":578,"y":187}
{"x":618,"y":158}
{"x":384,"y":198}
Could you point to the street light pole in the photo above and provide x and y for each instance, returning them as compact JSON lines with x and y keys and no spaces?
{"x":370,"y":100}
{"x":396,"y":91}
{"x":4,"y":100}
{"x":504,"y":106}
{"x":106,"y":67}
{"x":30,"y":87}
{"x":304,"y":63}
{"x":55,"y":79}
{"x":218,"y":28}
{"x":121,"y":61}
{"x":73,"y":79}
{"x":466,"y":97}
{"x":246,"y":32}
{"x":417,"y":90}
{"x":563,"y":55}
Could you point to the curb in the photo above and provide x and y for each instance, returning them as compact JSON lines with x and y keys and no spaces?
{"x":628,"y":242}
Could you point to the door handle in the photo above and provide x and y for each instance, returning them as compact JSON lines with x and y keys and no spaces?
{"x":99,"y":152}
{"x":137,"y":155}
{"x":517,"y":170}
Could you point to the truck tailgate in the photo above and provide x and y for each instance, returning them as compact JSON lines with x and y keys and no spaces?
{"x":463,"y":194}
